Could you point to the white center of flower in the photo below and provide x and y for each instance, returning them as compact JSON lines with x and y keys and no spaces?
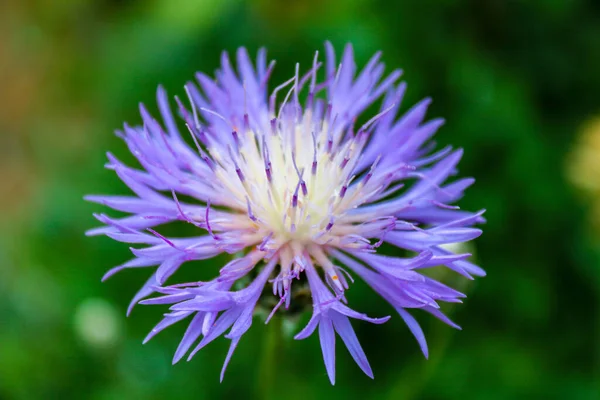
{"x":293,"y":181}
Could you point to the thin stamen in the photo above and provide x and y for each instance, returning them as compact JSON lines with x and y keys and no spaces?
{"x":207,"y":219}
{"x":193,"y":105}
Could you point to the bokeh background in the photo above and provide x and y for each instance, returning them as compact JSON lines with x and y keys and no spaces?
{"x":519,"y":85}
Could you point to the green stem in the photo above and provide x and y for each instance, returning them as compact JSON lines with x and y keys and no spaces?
{"x":266,"y":385}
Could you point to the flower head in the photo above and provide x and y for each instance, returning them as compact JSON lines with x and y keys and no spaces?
{"x":298,"y":189}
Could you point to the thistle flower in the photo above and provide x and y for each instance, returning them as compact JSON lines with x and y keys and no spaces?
{"x":304,"y":193}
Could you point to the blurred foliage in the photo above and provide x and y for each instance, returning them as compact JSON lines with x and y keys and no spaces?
{"x":515,"y":81}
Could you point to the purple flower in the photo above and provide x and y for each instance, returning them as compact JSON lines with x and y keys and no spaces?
{"x":294,"y":190}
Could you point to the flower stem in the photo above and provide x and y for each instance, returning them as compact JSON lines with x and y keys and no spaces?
{"x":266,"y":384}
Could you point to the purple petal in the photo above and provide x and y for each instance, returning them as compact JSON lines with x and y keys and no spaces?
{"x":165,"y":110}
{"x":309,"y":328}
{"x":440,"y":315}
{"x":356,"y":315}
{"x":169,"y":299}
{"x":221,"y":325}
{"x":327,"y":338}
{"x":165,"y":323}
{"x":168,"y":268}
{"x":211,"y":301}
{"x":416,"y":330}
{"x":470,"y":268}
{"x":242,"y":324}
{"x":132,"y":204}
{"x":134,"y":263}
{"x":192,"y":333}
{"x":145,"y":291}
{"x":344,"y":329}
{"x":234,"y":343}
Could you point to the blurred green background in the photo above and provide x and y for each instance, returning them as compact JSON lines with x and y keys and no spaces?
{"x":516,"y":82}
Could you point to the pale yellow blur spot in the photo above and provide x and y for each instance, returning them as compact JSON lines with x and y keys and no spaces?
{"x":583,"y":167}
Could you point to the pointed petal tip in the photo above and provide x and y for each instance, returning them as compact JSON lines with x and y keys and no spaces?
{"x":480,"y":274}
{"x":197,"y":349}
{"x":106,"y":276}
{"x":398,"y":72}
{"x":176,"y":358}
{"x":143,"y":112}
{"x":160,"y":279}
{"x":425,"y":102}
{"x":179,"y":353}
{"x":111,"y":272}
{"x":476,"y":233}
{"x":437,"y":122}
{"x":383,"y":320}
